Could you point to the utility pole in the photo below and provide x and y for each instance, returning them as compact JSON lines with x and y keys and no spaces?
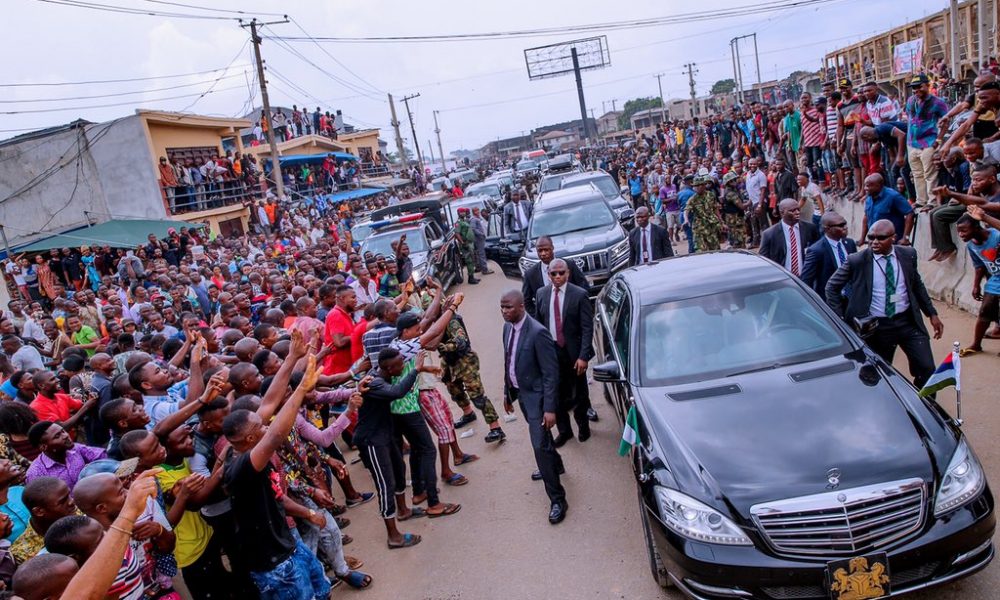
{"x":613,"y":108}
{"x":437,"y":130}
{"x":399,"y":137}
{"x":275,"y":159}
{"x":691,"y":72}
{"x":953,"y":26}
{"x":579,"y":92}
{"x":981,"y":30}
{"x":756,"y":55}
{"x":413,"y":130}
{"x":663,"y":103}
{"x":431,"y":149}
{"x":732,"y":52}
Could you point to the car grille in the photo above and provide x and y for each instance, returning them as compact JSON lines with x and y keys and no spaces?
{"x":795,"y":592}
{"x":842,"y":523}
{"x":595,"y":261}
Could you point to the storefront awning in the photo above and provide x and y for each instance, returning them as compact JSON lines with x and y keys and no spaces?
{"x":309,"y":159}
{"x":119,"y":233}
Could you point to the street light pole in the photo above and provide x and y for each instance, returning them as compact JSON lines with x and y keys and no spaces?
{"x":663,"y":103}
{"x":437,"y":130}
{"x":413,"y":130}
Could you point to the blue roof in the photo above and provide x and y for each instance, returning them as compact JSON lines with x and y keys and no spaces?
{"x":302,"y":159}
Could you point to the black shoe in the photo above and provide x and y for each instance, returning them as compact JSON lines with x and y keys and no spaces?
{"x":558,"y":512}
{"x":489,"y":272}
{"x":561,"y":440}
{"x":473,"y":280}
{"x":592,"y":415}
{"x":536,"y":475}
{"x":496,"y":435}
{"x":584,"y":435}
{"x":465,"y":420}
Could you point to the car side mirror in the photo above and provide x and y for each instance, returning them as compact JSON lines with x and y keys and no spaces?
{"x":608,"y":372}
{"x":435,"y":244}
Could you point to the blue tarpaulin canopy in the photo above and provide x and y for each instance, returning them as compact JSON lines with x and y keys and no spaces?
{"x":353,"y":194}
{"x":308,"y":159}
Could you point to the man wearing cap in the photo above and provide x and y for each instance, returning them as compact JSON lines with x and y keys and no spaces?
{"x":922,"y":137}
{"x":733,"y":210}
{"x":466,"y":239}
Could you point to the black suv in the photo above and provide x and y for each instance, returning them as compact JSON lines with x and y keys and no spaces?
{"x":778,"y":456}
{"x":583,"y":229}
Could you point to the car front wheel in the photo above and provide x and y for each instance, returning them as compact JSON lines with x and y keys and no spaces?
{"x":656,"y":567}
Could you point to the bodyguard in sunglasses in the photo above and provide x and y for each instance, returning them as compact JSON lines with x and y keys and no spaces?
{"x":885,"y":299}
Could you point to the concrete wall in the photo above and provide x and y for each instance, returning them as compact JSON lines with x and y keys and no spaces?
{"x":100,"y":170}
{"x":949,"y":281}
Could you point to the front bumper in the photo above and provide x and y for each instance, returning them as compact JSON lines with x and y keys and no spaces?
{"x":946,"y":549}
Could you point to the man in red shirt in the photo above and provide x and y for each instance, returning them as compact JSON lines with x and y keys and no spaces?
{"x":52,"y":405}
{"x":338,"y":329}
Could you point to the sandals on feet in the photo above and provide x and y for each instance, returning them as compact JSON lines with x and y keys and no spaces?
{"x":357,"y":579}
{"x":466,"y":458}
{"x":409,"y":539}
{"x":456,"y":479}
{"x":449,"y":509}
{"x":415,"y":512}
{"x":361,"y":499}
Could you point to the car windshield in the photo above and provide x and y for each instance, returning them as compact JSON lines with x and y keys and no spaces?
{"x":486,"y":189}
{"x":382,"y":243}
{"x":574,"y":217}
{"x":733,"y":332}
{"x":549,"y":184}
{"x":526,"y":165}
{"x":607,"y":186}
{"x":361,"y":231}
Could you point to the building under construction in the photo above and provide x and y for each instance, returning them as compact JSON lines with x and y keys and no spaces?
{"x":946,"y":43}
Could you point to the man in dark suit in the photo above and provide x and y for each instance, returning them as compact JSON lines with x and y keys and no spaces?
{"x":826,"y":255}
{"x":564,"y":309}
{"x":785,"y":242}
{"x":531,"y":377}
{"x":516,"y":215}
{"x":648,"y":242}
{"x":885,"y":284}
{"x":537,"y":276}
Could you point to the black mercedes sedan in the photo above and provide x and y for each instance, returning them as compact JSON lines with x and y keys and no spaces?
{"x":777,"y":456}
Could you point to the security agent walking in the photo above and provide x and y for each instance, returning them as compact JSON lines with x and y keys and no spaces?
{"x":466,"y":238}
{"x":885,"y":285}
{"x":648,"y":242}
{"x":531,"y":378}
{"x":785,"y":242}
{"x":479,"y":223}
{"x":564,"y":309}
{"x":826,"y":255}
{"x":537,"y":276}
{"x":516,"y":215}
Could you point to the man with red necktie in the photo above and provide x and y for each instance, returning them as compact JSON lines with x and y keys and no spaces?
{"x":786,"y":241}
{"x":565,"y":310}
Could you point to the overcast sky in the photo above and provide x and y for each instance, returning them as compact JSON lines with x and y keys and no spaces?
{"x":480,"y":88}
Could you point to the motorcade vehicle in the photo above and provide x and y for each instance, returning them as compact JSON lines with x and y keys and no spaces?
{"x":551,"y":183}
{"x":562,"y":163}
{"x":583,"y":229}
{"x":526,"y":168}
{"x":611,"y":191}
{"x":533,"y":155}
{"x":465,"y":176}
{"x":430,"y":252}
{"x":431,"y":205}
{"x":437,"y":182}
{"x":470,"y":202}
{"x":490,"y":188}
{"x":777,"y":456}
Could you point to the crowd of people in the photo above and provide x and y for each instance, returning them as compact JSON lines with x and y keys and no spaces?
{"x":181,"y":410}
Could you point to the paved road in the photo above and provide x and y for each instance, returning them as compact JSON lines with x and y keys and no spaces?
{"x":500,"y":546}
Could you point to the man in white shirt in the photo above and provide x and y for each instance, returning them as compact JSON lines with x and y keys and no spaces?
{"x":756,"y":184}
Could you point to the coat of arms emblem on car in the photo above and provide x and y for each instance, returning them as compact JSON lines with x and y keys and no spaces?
{"x":862,"y":582}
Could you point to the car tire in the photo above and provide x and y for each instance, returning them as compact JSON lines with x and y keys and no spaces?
{"x":656,"y":568}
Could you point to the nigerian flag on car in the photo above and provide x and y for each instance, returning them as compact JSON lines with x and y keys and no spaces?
{"x":948,"y":374}
{"x":630,"y":435}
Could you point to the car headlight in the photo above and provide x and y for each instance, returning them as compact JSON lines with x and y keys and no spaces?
{"x":963,"y":481}
{"x":619,"y":250}
{"x":696,"y":521}
{"x":525,"y":264}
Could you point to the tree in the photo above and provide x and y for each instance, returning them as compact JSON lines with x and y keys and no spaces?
{"x":723,"y":86}
{"x":633,"y":106}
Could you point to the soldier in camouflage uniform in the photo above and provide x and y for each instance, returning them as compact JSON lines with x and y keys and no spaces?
{"x":466,"y":239}
{"x":460,"y":374}
{"x":703,"y":212}
{"x":734,"y":210}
